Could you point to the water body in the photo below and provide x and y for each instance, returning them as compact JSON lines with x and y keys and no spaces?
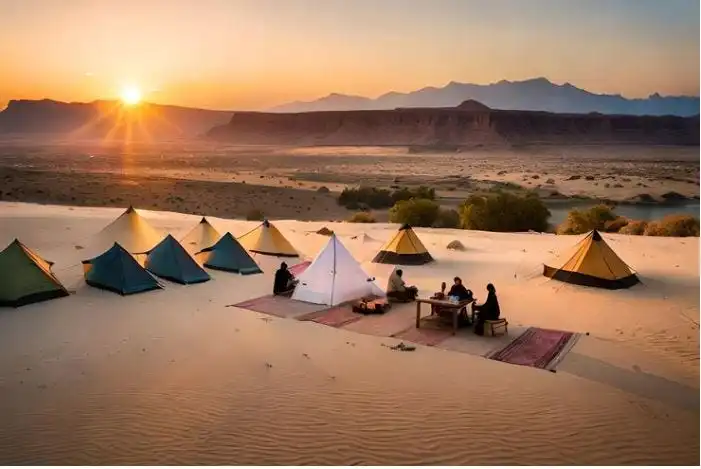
{"x":558,"y":212}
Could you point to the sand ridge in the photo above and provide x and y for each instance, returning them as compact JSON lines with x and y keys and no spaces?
{"x":174,"y":376}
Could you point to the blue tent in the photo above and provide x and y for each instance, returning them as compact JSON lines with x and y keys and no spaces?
{"x":227,"y":254}
{"x":117,"y":270}
{"x":169,"y":260}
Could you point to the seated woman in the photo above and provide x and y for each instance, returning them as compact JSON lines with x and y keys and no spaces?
{"x":439,"y":295}
{"x":458,"y":291}
{"x":489,"y":310}
{"x":284,"y":283}
{"x":397,"y":289}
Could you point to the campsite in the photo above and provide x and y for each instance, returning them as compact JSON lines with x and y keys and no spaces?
{"x":628,"y":336}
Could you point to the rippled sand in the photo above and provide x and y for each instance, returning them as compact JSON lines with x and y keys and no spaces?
{"x":176,"y":377}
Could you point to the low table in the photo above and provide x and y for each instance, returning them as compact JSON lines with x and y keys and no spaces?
{"x":454,"y":308}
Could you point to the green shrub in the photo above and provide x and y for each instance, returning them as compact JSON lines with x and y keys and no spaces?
{"x":362,"y":217}
{"x":614,"y":226}
{"x":371,"y":197}
{"x":674,"y":225}
{"x":504,"y":212}
{"x":255,"y":214}
{"x":634,"y":227}
{"x":447,"y":219}
{"x":583,"y":221}
{"x":415,"y":212}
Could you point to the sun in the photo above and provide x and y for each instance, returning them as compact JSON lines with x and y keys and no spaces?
{"x":131,"y":95}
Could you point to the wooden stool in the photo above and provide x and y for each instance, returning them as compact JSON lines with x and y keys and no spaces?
{"x":496,"y":327}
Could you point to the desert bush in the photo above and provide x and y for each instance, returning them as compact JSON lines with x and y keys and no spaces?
{"x":535,"y":176}
{"x":504,"y":212}
{"x":371,"y":197}
{"x":634,"y":227}
{"x":415,"y":212}
{"x":323,"y":190}
{"x":456,"y":245}
{"x":550,"y":181}
{"x":614,"y":226}
{"x":618,"y":186}
{"x":582,"y":221}
{"x":362,"y":217}
{"x":447,"y":218}
{"x":255,"y":214}
{"x":574,"y":178}
{"x":589,"y":178}
{"x":674,"y":225}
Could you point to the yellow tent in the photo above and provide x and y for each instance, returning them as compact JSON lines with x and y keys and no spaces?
{"x":131,"y":231}
{"x":405,"y":248}
{"x":267,"y":239}
{"x":594,"y":264}
{"x":202,"y":236}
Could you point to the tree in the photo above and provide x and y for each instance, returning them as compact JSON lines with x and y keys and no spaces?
{"x":504,"y":212}
{"x":415,"y":212}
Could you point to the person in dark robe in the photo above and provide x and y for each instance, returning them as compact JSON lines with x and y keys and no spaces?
{"x":285,"y":282}
{"x":489,"y":310}
{"x":458,"y":290}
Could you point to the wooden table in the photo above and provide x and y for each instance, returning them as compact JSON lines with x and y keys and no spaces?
{"x":454,"y":308}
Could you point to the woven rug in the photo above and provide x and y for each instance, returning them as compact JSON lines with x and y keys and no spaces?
{"x":538,"y":348}
{"x":337,"y":316}
{"x":430,"y":336}
{"x":280,"y":306}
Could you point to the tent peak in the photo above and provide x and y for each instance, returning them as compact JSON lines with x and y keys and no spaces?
{"x":266,"y":223}
{"x":595,"y":235}
{"x":405,"y":226}
{"x":204,"y":220}
{"x":130,"y":209}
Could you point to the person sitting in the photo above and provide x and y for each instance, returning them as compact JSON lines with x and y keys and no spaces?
{"x":285,"y":282}
{"x":459,"y":291}
{"x":439,"y":295}
{"x":489,"y":310}
{"x":397,"y":289}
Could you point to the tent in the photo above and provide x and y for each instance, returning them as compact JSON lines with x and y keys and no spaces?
{"x":201,"y":236}
{"x":405,"y":248}
{"x":594,"y":264}
{"x":26,"y":277}
{"x":131,"y":231}
{"x":116,"y":270}
{"x":334,"y":277}
{"x":171,"y":261}
{"x":267,"y":239}
{"x":227,"y":254}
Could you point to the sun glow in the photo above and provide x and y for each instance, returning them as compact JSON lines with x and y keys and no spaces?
{"x":131,"y":95}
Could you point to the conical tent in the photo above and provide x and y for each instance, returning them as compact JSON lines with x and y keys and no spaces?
{"x":116,"y":270}
{"x":334,"y":277}
{"x":131,"y":231}
{"x":227,"y":254}
{"x":405,"y":248}
{"x":171,"y":261}
{"x":26,"y":277}
{"x":202,"y":236}
{"x":267,"y":239}
{"x":594,"y":264}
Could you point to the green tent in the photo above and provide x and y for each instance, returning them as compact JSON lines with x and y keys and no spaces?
{"x":227,"y":254}
{"x":171,"y":261}
{"x":116,"y":270}
{"x":26,"y":277}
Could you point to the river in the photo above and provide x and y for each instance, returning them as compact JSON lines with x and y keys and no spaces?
{"x":558,"y":211}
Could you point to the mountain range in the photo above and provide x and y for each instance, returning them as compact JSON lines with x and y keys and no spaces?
{"x":107,"y":120}
{"x":538,"y":94}
{"x":470,"y":124}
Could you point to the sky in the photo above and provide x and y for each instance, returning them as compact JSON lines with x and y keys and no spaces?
{"x":253,"y":54}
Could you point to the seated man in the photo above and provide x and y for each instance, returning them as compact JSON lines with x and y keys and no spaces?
{"x":489,"y":310}
{"x":459,"y":291}
{"x":285,"y":282}
{"x":397,"y":289}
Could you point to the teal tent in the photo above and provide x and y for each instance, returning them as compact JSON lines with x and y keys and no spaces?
{"x":227,"y":254}
{"x":171,"y":261}
{"x":117,"y":270}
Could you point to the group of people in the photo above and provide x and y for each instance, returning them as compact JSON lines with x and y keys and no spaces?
{"x":489,"y":310}
{"x":398,"y":290}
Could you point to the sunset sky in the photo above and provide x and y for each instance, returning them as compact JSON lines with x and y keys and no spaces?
{"x":252,"y":54}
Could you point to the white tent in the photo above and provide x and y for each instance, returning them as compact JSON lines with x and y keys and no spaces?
{"x":334,"y":277}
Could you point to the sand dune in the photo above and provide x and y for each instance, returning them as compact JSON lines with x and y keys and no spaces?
{"x":176,"y":377}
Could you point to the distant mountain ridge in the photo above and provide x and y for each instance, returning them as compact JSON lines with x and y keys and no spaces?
{"x":470,"y":124}
{"x":107,"y":120}
{"x":538,"y":94}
